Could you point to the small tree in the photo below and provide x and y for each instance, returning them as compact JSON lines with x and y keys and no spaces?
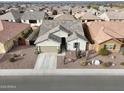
{"x":78,"y":53}
{"x":103,"y":52}
{"x":122,"y":52}
{"x":54,"y":12}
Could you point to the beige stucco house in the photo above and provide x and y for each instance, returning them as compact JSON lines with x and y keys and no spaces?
{"x":106,"y":34}
{"x":12,"y":34}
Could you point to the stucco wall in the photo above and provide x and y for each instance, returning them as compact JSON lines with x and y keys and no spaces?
{"x":49,"y":49}
{"x":117,"y":46}
{"x":2,"y":49}
{"x":48,"y":43}
{"x":9,"y":44}
{"x":39,"y":22}
{"x":81,"y":41}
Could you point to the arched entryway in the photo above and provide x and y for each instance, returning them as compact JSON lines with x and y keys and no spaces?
{"x":21,"y":41}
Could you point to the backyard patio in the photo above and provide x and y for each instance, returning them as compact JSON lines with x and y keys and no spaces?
{"x":21,"y":57}
{"x":111,"y":61}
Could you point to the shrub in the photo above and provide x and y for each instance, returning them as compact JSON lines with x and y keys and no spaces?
{"x":54,"y":12}
{"x":12,"y":59}
{"x":83,"y":63}
{"x":122,"y":63}
{"x":108,"y":64}
{"x":122,"y":52}
{"x":103,"y":52}
{"x":37,"y":52}
{"x":16,"y":55}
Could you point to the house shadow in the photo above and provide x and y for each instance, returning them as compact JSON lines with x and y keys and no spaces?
{"x":87,"y":33}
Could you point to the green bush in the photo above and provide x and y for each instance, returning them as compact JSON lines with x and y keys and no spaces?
{"x":122,"y":52}
{"x":103,"y":52}
{"x":12,"y":59}
{"x":122,"y":63}
{"x":83,"y":63}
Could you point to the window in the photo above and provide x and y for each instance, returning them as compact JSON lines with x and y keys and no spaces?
{"x":32,"y":21}
{"x":110,"y":46}
{"x":76,"y":45}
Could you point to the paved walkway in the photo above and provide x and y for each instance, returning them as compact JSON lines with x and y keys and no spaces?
{"x":46,"y":61}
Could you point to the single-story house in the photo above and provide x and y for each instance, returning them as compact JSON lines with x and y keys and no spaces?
{"x":113,"y":16}
{"x":87,"y":17}
{"x":57,"y":36}
{"x":109,"y":35}
{"x":11,"y":16}
{"x":12,"y":34}
{"x":34,"y":18}
{"x":64,"y":17}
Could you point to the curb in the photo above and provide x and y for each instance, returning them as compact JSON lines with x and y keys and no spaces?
{"x":59,"y":72}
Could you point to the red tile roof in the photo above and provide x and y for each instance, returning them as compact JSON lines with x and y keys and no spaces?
{"x":10,"y":30}
{"x":103,"y":31}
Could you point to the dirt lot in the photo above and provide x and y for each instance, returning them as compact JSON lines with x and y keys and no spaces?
{"x":25,"y":62}
{"x":76,"y":64}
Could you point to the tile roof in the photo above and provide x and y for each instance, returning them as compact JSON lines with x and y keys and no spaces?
{"x":10,"y":30}
{"x":115,"y":14}
{"x":33,"y":15}
{"x":12,"y":15}
{"x":49,"y":27}
{"x":64,"y":17}
{"x":103,"y":31}
{"x":86,"y":15}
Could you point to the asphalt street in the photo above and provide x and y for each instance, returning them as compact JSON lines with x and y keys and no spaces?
{"x":61,"y":83}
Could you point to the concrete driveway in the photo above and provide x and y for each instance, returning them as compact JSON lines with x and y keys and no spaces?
{"x":46,"y":61}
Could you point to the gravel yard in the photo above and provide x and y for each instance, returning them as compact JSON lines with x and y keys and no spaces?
{"x":26,"y":60}
{"x":76,"y":64}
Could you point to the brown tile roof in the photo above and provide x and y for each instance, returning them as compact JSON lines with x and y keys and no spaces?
{"x":10,"y":30}
{"x":103,"y":31}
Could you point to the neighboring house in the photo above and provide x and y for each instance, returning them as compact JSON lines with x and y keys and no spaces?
{"x":57,"y":36}
{"x":12,"y":16}
{"x":64,"y":17}
{"x":92,"y":11}
{"x":34,"y":18}
{"x":12,"y":34}
{"x":86,"y":17}
{"x":106,"y":34}
{"x":78,"y":9}
{"x":112,"y":16}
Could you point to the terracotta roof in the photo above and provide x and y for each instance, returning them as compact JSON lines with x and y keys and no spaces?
{"x":10,"y":30}
{"x":103,"y":31}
